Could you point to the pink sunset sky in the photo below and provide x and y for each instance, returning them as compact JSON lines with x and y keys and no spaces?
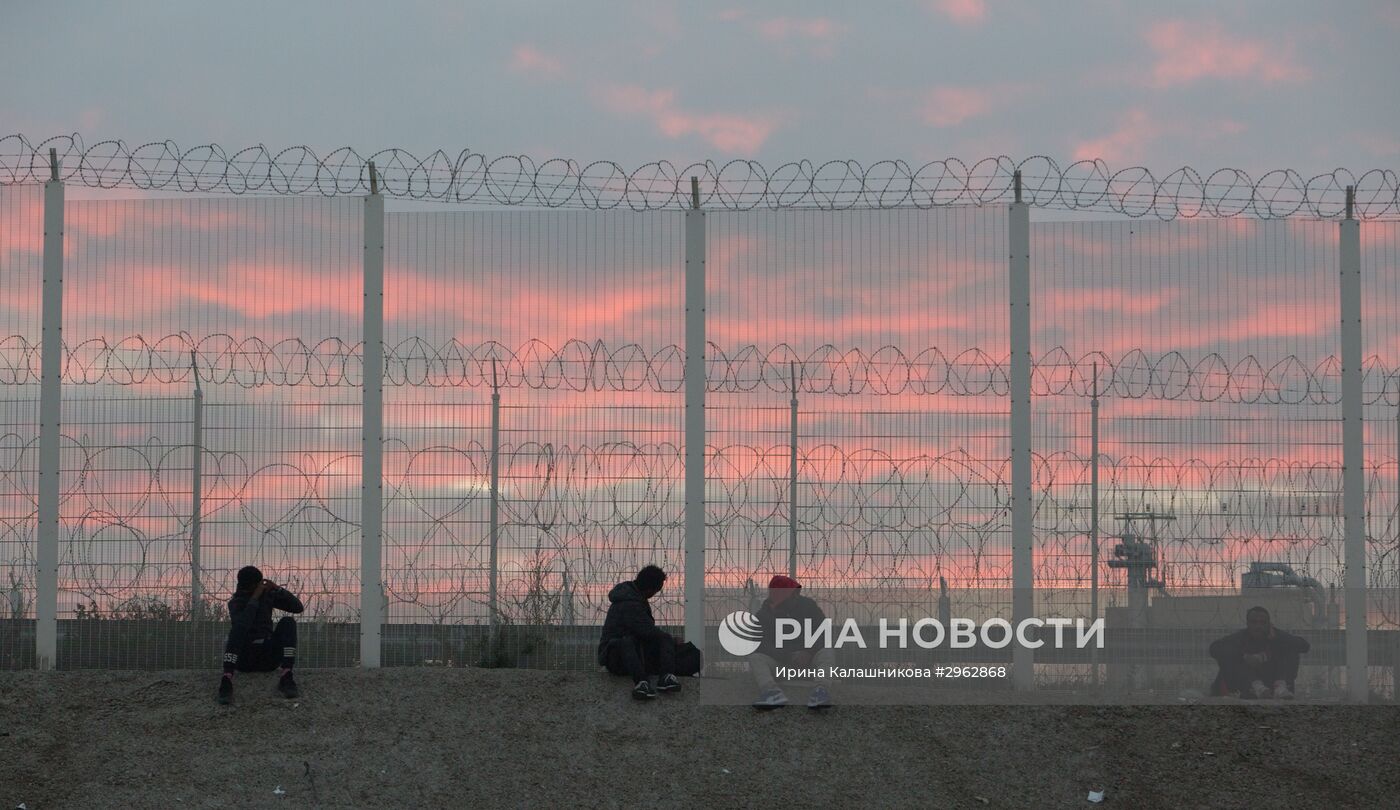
{"x":839,"y":290}
{"x":1256,"y":85}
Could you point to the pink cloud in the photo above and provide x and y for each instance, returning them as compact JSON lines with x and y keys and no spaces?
{"x":530,"y":60}
{"x":949,"y":106}
{"x":1123,"y":145}
{"x":248,"y":289}
{"x":414,"y":297}
{"x":1188,"y":52}
{"x":728,"y":132}
{"x":779,"y":29}
{"x":90,"y":219}
{"x":92,"y":118}
{"x":565,"y":312}
{"x":818,"y":33}
{"x":22,"y":224}
{"x":1285,"y":319}
{"x":962,"y":12}
{"x":1107,"y":299}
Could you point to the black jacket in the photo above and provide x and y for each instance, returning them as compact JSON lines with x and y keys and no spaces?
{"x":629,"y":616}
{"x":1235,"y":646}
{"x":242,"y":608}
{"x":797,"y":607}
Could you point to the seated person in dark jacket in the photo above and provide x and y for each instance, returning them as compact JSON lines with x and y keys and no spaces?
{"x":1259,"y":661}
{"x":254,"y":645}
{"x":632,"y":644}
{"x":785,"y":601}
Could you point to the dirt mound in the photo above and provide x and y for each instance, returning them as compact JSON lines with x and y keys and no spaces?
{"x":402,"y":738}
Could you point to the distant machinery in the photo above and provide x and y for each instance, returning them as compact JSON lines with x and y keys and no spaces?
{"x":1168,"y":628}
{"x":1138,"y":553}
{"x":1267,"y":578}
{"x":1140,"y":556}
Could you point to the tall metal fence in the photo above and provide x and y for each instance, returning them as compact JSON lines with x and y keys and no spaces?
{"x":1186,"y":387}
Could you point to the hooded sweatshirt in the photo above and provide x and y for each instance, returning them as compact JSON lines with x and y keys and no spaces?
{"x":257,"y":613}
{"x":629,"y":616}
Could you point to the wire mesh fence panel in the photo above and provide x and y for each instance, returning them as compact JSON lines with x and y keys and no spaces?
{"x":437,"y":483}
{"x":124,"y":514}
{"x":857,"y":413}
{"x":890,"y":331}
{"x":21,"y":286}
{"x":1380,"y":322}
{"x":246,"y":312}
{"x":1062,"y":490}
{"x":1212,"y":349}
{"x":282,"y":490}
{"x":576,"y":319}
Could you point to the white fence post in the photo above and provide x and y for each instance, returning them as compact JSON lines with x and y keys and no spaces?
{"x":792,"y":479}
{"x":1022,"y":539}
{"x":196,"y":494}
{"x":372,"y":433}
{"x":1353,"y":456}
{"x":695,"y":419}
{"x":50,"y":421}
{"x":1094,"y":518}
{"x":494,"y":506}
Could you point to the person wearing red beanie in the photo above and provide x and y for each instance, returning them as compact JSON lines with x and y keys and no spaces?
{"x":781,"y":582}
{"x":785,"y":601}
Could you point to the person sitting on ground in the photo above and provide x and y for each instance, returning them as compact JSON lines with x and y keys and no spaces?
{"x":254,"y":645}
{"x":632,"y":644}
{"x":786,"y":602}
{"x":1259,"y":661}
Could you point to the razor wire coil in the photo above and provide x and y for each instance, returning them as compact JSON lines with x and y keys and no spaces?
{"x":470,"y":177}
{"x":580,"y":365}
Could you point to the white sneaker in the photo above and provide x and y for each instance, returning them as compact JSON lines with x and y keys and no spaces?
{"x":1281,"y":690}
{"x":819,"y":698}
{"x":771,"y":699}
{"x":1259,"y":690}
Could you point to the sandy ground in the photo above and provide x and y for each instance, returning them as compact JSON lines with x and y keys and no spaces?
{"x":402,"y":738}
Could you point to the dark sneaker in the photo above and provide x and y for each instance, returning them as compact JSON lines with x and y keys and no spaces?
{"x":644,"y":691}
{"x":668,"y":683}
{"x":771,"y":699}
{"x":819,"y":699}
{"x":287,"y":686}
{"x":225,"y":691}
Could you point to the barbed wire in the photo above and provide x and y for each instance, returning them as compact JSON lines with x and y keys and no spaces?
{"x":866,"y":516}
{"x":736,"y":185}
{"x":580,"y":365}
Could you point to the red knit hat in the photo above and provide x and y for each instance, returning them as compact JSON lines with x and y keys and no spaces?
{"x":780,"y":581}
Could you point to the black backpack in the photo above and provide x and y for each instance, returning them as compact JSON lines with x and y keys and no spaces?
{"x":689,"y":660}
